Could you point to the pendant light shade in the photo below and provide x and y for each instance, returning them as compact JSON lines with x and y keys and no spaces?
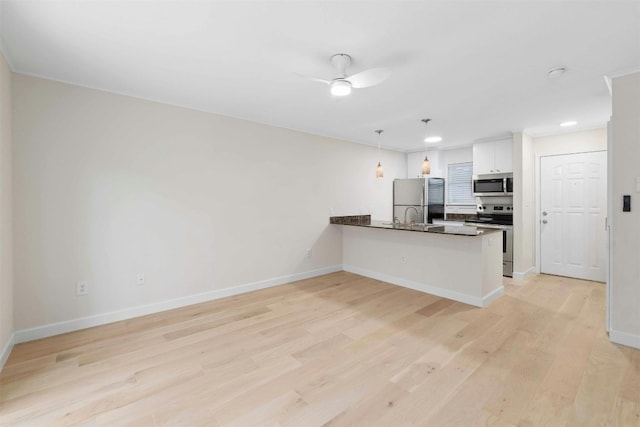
{"x":426,"y":166}
{"x":379,"y":170}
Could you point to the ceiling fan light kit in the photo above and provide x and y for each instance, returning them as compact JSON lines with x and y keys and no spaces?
{"x":340,"y":87}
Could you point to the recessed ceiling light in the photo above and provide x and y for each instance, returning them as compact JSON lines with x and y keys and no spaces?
{"x":568,"y":123}
{"x":556,"y":72}
{"x":431,"y":139}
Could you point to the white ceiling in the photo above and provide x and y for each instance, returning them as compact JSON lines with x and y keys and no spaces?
{"x":477,"y":68}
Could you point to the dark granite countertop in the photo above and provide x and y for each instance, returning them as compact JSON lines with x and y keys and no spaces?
{"x":464,"y":230}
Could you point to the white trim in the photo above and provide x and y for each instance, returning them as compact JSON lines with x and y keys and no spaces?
{"x":497,"y":138}
{"x":624,"y":73}
{"x":49,"y":330}
{"x":6,"y":351}
{"x":625,"y":338}
{"x":433,"y":290}
{"x":609,"y":257}
{"x":492,"y":296}
{"x":6,"y":57}
{"x":608,"y":83}
{"x":521,"y":276}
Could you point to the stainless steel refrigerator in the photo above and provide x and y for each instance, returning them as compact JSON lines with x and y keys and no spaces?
{"x":418,"y":200}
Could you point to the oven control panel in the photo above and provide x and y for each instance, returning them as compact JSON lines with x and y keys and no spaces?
{"x":498,"y":209}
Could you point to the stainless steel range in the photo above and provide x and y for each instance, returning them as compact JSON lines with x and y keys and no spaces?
{"x":498,"y":213}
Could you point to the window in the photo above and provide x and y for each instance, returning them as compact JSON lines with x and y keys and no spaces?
{"x":459,"y":190}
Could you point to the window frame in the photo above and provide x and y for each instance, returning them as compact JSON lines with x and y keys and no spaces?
{"x":471,"y":199}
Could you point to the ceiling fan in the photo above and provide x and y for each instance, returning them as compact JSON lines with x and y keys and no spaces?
{"x":341,"y":85}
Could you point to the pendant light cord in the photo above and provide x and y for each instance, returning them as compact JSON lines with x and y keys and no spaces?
{"x":379,"y":131}
{"x":379,"y":170}
{"x":426,"y":165}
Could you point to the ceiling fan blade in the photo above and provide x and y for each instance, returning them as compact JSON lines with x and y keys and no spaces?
{"x":367,"y":78}
{"x":315,"y":79}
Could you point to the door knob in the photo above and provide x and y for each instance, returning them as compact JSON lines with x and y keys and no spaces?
{"x":544,"y":214}
{"x":544,"y":221}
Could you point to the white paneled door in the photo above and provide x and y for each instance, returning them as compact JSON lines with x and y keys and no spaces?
{"x":573,"y":202}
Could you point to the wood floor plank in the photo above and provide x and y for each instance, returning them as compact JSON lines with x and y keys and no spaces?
{"x":520,"y":386}
{"x":630,"y":389}
{"x":606,"y":366}
{"x":369,"y":410}
{"x":547,"y":409}
{"x":337,"y":350}
{"x":625,"y":413}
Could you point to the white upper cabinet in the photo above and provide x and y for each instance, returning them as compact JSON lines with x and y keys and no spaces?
{"x":492,"y":157}
{"x":503,"y":156}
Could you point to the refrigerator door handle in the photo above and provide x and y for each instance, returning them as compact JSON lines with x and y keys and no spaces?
{"x":423,"y":201}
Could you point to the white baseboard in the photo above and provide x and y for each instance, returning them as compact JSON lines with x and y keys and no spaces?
{"x":433,"y":290}
{"x":521,"y":276}
{"x":625,"y":338}
{"x":6,"y":351}
{"x":52,"y":329}
{"x":492,"y":296}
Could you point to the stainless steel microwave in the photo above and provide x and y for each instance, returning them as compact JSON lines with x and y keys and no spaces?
{"x":498,"y":186}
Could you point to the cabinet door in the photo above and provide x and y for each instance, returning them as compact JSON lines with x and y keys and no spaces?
{"x":503,"y":156}
{"x":483,"y":158}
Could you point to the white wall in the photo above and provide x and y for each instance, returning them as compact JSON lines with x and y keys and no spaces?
{"x":414,"y":164}
{"x":625,"y":229}
{"x":107,"y":186}
{"x":440,"y":161}
{"x":574,"y":142}
{"x":523,"y":205}
{"x":6,"y":238}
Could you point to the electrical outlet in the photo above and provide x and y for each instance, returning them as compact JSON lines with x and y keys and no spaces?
{"x":140,"y":279}
{"x":82,"y":288}
{"x":403,"y":259}
{"x":309,"y":253}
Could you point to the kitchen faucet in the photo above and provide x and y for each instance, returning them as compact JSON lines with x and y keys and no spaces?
{"x":407,"y":210}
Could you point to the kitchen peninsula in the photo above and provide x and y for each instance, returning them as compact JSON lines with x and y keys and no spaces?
{"x":461,"y":263}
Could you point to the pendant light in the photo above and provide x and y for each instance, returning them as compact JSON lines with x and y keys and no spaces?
{"x":426,"y":164}
{"x":379,"y":171}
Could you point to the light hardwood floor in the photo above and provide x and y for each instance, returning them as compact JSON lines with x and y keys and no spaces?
{"x":338,"y":350}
